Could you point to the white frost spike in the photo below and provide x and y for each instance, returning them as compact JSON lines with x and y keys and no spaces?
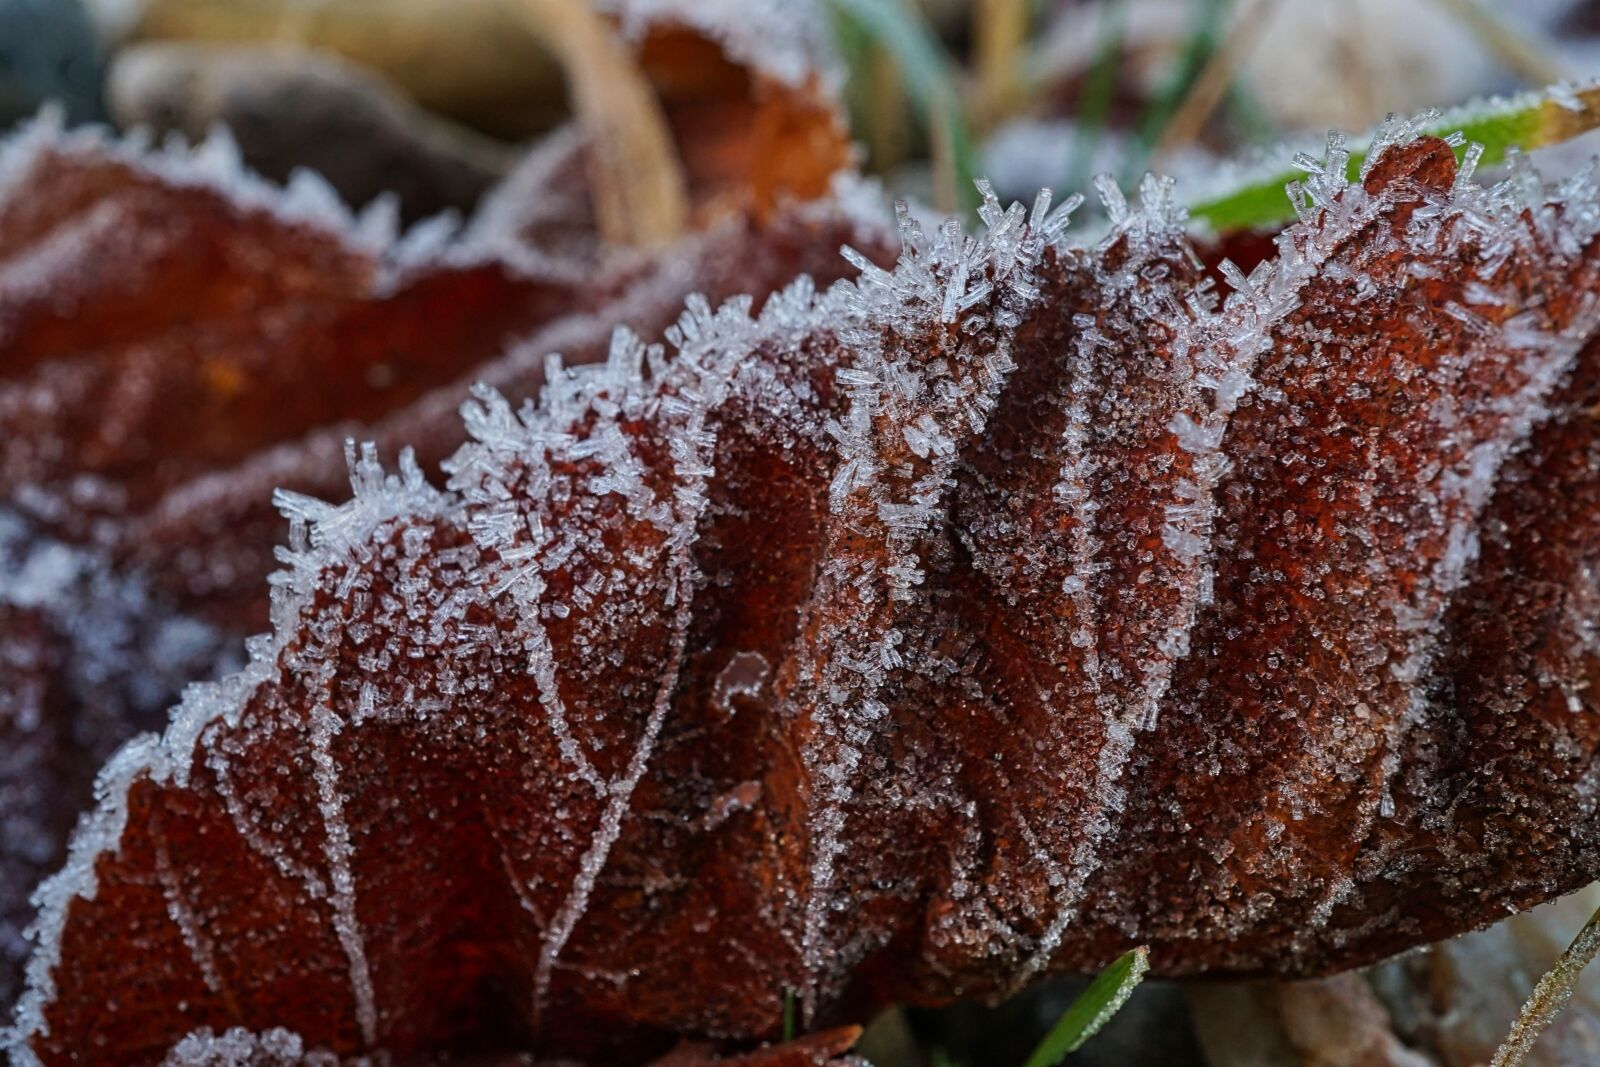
{"x":955,"y":289}
{"x":1041,"y":209}
{"x":1327,"y":177}
{"x":308,"y":193}
{"x":1307,"y":162}
{"x":217,"y":156}
{"x":1158,"y":201}
{"x":490,"y":420}
{"x":1299,"y":200}
{"x":1236,"y":279}
{"x":626,"y":357}
{"x":1111,"y":198}
{"x":871,"y":273}
{"x":912,"y":238}
{"x":989,"y":210}
{"x":1052,"y":229}
{"x":1467,"y":168}
{"x":378,"y":224}
{"x":433,"y":239}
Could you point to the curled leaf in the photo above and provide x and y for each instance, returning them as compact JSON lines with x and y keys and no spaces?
{"x":968,"y":621}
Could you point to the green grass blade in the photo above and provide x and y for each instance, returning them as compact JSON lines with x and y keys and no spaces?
{"x":1520,"y":123}
{"x":1093,"y":1008}
{"x":930,"y":78}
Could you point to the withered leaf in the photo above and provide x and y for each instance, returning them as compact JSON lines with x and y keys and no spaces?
{"x":966,"y":622}
{"x":178,"y":339}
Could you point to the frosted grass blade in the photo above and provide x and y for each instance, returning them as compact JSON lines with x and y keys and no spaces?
{"x":1093,"y":1009}
{"x":1549,"y":996}
{"x":1501,"y":126}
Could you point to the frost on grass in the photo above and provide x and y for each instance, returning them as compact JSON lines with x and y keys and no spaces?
{"x":974,"y":619}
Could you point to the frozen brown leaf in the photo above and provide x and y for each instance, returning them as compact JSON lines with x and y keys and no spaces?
{"x":968,"y":621}
{"x":178,"y":339}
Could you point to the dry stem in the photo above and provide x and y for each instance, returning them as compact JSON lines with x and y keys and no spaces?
{"x":640,"y":193}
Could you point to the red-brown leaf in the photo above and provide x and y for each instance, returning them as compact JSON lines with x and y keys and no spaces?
{"x":970,"y":622}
